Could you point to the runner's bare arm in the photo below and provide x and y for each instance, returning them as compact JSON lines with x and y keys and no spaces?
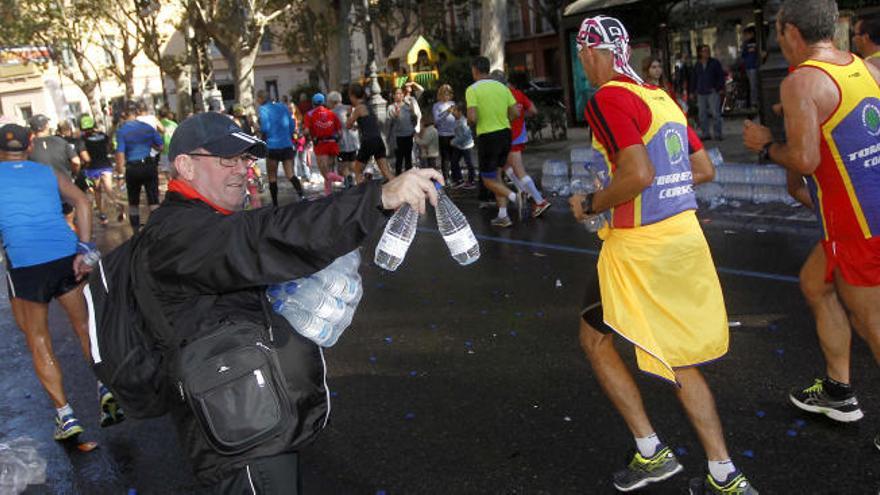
{"x":83,"y":218}
{"x":353,"y":117}
{"x":802,"y":123}
{"x":472,"y":115}
{"x":120,"y":162}
{"x":797,"y":188}
{"x":513,"y":112}
{"x":634,"y":173}
{"x":702,"y":168}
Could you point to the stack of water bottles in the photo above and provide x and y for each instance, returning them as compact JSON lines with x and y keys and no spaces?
{"x":586,"y":181}
{"x":554,"y":178}
{"x":401,"y":230}
{"x":320,"y":307}
{"x":20,"y":465}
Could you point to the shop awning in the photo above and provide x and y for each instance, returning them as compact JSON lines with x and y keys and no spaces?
{"x":583,"y":6}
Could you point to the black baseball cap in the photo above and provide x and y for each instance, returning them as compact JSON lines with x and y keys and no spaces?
{"x":215,"y":133}
{"x":38,"y":122}
{"x":14,"y":137}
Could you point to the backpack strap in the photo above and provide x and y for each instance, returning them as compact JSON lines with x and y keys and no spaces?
{"x":149,"y":305}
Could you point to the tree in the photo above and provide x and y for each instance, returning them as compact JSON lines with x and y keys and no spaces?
{"x":67,"y":30}
{"x":308,"y":37}
{"x":549,"y":10}
{"x":493,"y":19}
{"x":237,"y":27}
{"x":119,"y":34}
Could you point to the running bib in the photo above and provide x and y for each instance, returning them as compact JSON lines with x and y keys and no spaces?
{"x":393,"y":245}
{"x":460,"y":242}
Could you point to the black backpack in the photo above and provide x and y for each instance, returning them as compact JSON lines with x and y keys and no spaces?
{"x":231,"y":378}
{"x":127,"y":352}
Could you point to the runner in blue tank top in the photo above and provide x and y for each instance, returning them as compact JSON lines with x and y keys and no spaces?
{"x":44,"y":261}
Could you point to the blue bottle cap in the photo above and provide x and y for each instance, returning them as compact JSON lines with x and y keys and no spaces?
{"x":274,"y":291}
{"x":290,"y":287}
{"x":438,"y":186}
{"x":277,"y":306}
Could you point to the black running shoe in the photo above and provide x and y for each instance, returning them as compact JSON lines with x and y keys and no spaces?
{"x":641,"y":471}
{"x":735,"y":484}
{"x":815,"y":399}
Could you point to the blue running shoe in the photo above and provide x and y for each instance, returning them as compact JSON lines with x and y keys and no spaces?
{"x":67,"y":427}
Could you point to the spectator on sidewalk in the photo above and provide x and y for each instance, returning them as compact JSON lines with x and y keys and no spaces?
{"x":866,"y":39}
{"x":708,"y":82}
{"x":751,"y":57}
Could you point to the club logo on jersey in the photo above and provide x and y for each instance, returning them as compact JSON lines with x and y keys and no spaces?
{"x":871,"y":119}
{"x":674,"y":146}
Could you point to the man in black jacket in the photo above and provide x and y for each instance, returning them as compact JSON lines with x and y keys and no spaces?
{"x":211,"y":261}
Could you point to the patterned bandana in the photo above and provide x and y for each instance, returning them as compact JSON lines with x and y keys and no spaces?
{"x":608,"y":33}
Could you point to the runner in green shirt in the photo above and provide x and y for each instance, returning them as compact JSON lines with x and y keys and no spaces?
{"x":491,"y":106}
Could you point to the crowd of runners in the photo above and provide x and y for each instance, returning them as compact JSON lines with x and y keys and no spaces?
{"x":655,"y":282}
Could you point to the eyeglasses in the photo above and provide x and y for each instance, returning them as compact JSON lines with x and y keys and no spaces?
{"x":231,"y":161}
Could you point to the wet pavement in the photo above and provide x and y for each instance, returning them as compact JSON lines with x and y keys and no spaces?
{"x":470,"y":379}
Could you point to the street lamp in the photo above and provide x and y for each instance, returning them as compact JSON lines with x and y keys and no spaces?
{"x":376,"y":103}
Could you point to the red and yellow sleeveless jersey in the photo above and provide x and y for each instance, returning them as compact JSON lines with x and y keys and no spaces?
{"x":665,"y":134}
{"x":847,"y":181}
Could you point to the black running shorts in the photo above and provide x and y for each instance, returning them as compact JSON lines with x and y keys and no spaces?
{"x":280,"y":154}
{"x":347,"y":156}
{"x":42,"y":283}
{"x":142,"y":174}
{"x":373,"y":147}
{"x":492,"y":151}
{"x":591,"y":310}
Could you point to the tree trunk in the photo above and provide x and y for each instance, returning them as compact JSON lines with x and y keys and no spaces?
{"x":91,"y":92}
{"x":128,"y":70}
{"x":183,"y":82}
{"x":492,"y":32}
{"x":243,"y":73}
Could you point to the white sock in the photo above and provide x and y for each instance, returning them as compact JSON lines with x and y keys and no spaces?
{"x":648,"y":445}
{"x":720,"y":470}
{"x":64,"y":410}
{"x":502,"y":211}
{"x":512,"y":197}
{"x":529,"y":186}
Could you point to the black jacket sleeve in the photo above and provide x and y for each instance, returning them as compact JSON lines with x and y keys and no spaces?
{"x":216,"y":253}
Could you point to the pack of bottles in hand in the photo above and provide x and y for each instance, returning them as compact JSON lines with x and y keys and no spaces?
{"x":401,"y":230}
{"x":320,"y":307}
{"x":585,"y":180}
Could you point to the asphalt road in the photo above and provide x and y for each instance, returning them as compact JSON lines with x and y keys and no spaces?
{"x":469,"y":380}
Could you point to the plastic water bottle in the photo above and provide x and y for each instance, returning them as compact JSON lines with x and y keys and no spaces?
{"x":715,"y":157}
{"x":309,"y":294}
{"x":341,"y":278}
{"x":306,"y":323}
{"x":455,"y":230}
{"x":395,"y":241}
{"x":586,"y":184}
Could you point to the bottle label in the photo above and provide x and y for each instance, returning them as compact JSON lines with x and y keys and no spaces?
{"x":394,"y":246}
{"x":460,"y":242}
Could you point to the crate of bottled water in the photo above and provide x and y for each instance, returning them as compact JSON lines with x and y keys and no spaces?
{"x":581,"y":154}
{"x":554,"y":178}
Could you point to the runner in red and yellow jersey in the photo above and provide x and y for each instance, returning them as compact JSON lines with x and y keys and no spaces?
{"x":831,"y":103}
{"x":657,"y":285}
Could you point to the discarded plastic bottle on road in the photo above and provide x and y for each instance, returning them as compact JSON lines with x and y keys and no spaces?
{"x":20,"y":466}
{"x":396,"y":239}
{"x":306,"y":323}
{"x":456,"y":230}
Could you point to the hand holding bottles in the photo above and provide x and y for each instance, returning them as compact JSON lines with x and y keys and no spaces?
{"x":411,"y":187}
{"x":582,"y":188}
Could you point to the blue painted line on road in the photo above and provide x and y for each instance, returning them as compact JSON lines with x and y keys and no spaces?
{"x":572,"y":249}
